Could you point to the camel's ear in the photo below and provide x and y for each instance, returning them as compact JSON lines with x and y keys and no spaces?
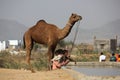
{"x":72,"y":14}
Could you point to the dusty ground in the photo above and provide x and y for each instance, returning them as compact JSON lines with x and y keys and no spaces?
{"x":12,"y":74}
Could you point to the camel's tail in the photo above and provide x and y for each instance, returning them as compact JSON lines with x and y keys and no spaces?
{"x":24,"y":42}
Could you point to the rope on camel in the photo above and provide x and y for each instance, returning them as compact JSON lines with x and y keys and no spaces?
{"x":76,"y":32}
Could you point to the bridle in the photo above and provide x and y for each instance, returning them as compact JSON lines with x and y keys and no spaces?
{"x":76,"y":32}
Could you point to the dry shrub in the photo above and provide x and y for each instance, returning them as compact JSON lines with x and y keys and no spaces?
{"x":18,"y":61}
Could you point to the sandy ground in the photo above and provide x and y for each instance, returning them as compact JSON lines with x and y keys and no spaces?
{"x":67,"y":74}
{"x":12,"y":74}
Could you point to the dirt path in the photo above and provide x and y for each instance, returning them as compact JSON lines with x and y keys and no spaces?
{"x":12,"y":74}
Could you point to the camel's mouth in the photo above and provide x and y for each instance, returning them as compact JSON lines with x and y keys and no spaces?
{"x":80,"y":17}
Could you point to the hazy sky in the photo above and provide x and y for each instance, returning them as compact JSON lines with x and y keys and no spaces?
{"x":95,"y":13}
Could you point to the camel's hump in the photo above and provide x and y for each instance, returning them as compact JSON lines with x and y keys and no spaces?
{"x":41,"y":21}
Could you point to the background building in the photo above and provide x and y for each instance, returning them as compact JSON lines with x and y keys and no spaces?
{"x":105,"y":44}
{"x":10,"y":44}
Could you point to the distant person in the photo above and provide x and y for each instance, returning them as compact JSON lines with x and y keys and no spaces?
{"x":113,"y":58}
{"x":117,"y":55}
{"x":102,"y":57}
{"x":118,"y":60}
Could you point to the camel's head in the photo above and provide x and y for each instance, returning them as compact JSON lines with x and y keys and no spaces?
{"x":74,"y":18}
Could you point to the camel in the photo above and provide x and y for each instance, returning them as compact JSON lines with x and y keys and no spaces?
{"x":48,"y":34}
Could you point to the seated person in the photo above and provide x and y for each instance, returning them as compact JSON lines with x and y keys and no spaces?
{"x":118,"y":60}
{"x":102,"y":57}
{"x":113,"y":58}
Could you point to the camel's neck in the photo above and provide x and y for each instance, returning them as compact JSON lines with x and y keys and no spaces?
{"x":66,"y":30}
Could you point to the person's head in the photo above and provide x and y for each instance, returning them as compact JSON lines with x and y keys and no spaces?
{"x":66,"y":53}
{"x":101,"y":53}
{"x":113,"y":54}
{"x":59,"y":51}
{"x":119,"y":55}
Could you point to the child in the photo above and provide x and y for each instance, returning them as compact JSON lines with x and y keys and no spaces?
{"x":60,"y":59}
{"x":56,"y":60}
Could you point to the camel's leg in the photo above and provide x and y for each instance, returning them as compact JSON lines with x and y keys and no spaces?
{"x":29,"y":46}
{"x":50,"y":55}
{"x":28,"y":57}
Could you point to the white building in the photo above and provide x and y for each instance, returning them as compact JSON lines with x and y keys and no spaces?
{"x":10,"y":44}
{"x":13,"y":43}
{"x":2,"y":45}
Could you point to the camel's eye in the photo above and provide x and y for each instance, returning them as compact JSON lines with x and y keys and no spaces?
{"x":74,"y":16}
